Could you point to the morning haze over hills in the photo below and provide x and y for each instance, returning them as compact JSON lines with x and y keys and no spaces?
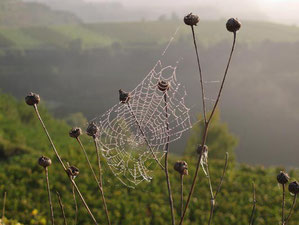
{"x":80,"y":54}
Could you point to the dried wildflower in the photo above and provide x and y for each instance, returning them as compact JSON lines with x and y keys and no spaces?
{"x":191,"y":19}
{"x":75,"y":132}
{"x":72,"y":171}
{"x":163,"y":86}
{"x":233,"y":25}
{"x":124,"y":97}
{"x":283,"y":177}
{"x":92,"y":130}
{"x":32,"y":99}
{"x":181,"y":167}
{"x":44,"y":161}
{"x":294,"y":187}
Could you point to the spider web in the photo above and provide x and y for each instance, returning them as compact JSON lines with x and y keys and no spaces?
{"x":133,"y":135}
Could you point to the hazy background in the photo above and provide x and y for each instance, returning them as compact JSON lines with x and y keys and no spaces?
{"x":77,"y":54}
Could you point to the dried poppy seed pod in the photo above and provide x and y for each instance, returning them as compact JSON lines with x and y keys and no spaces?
{"x":283,"y":177}
{"x":72,"y":171}
{"x":294,"y":187}
{"x":44,"y":161}
{"x":32,"y":99}
{"x":124,"y":97}
{"x":191,"y":19}
{"x":202,"y":150}
{"x":181,"y":167}
{"x":233,"y":25}
{"x":75,"y":132}
{"x":163,"y":86}
{"x":92,"y":130}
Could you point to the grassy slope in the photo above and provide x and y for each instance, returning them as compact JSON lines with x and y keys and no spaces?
{"x":23,"y":179}
{"x":140,"y":33}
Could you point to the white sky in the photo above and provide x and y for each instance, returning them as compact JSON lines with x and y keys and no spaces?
{"x":283,"y":11}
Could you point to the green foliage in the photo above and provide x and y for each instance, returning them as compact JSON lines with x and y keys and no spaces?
{"x":23,"y":180}
{"x":219,"y":139}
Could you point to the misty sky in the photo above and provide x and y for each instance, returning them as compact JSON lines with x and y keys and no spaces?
{"x":282,"y":11}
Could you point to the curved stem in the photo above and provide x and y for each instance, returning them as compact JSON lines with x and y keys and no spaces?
{"x":62,"y":164}
{"x":254,"y":206}
{"x":283,"y":204}
{"x":166,"y":163}
{"x":49,"y":195}
{"x":206,"y":127}
{"x":61,"y":207}
{"x":211,"y":193}
{"x":96,"y":179}
{"x":182,"y":194}
{"x":200,"y":76}
{"x":76,"y":206}
{"x":291,"y":210}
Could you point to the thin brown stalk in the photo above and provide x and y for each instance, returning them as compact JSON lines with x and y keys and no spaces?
{"x":251,"y":221}
{"x":144,"y":136}
{"x":283,"y":204}
{"x":223,"y":174}
{"x":3,"y":207}
{"x":62,"y":164}
{"x":200,"y":76}
{"x":49,"y":195}
{"x":166,"y":164}
{"x":291,"y":210}
{"x":61,"y":207}
{"x":101,"y":180}
{"x":211,"y":193}
{"x":76,"y":205}
{"x":96,"y":179}
{"x":182,"y":194}
{"x":205,"y":133}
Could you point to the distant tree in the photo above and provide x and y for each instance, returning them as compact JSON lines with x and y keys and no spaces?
{"x":219,"y":140}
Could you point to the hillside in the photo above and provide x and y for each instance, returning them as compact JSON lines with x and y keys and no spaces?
{"x":23,"y":180}
{"x":16,"y":13}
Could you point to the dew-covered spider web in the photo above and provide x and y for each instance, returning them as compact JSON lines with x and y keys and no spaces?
{"x":133,"y":135}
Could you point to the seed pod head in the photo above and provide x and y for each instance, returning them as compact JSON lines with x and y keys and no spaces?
{"x":124,"y":97}
{"x":233,"y":25}
{"x":72,"y":171}
{"x":191,"y":19}
{"x":92,"y":130}
{"x":181,"y":167}
{"x":163,"y":86}
{"x":283,"y":177}
{"x":44,"y":161}
{"x":75,"y":132}
{"x":202,"y":150}
{"x":294,"y":188}
{"x":32,"y":99}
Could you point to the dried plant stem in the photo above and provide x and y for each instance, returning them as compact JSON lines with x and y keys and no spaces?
{"x":251,"y":221}
{"x":144,"y":136}
{"x":76,"y":205}
{"x":182,"y":194}
{"x":283,"y":204}
{"x":61,"y":207}
{"x":200,"y":76}
{"x":3,"y":207}
{"x":62,"y":164}
{"x":101,"y":180}
{"x":166,"y":164}
{"x":49,"y":195}
{"x":206,"y":127}
{"x":96,"y":179}
{"x":291,"y":210}
{"x":211,"y":193}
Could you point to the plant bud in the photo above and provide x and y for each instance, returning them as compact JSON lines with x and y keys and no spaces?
{"x":75,"y":132}
{"x":72,"y":171}
{"x":181,"y":167}
{"x":233,"y":25}
{"x":92,"y":130}
{"x":283,"y":177}
{"x":202,"y":150}
{"x":44,"y":161}
{"x":163,"y":86}
{"x":32,"y":99}
{"x":191,"y":19}
{"x":124,"y":97}
{"x":294,"y":187}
